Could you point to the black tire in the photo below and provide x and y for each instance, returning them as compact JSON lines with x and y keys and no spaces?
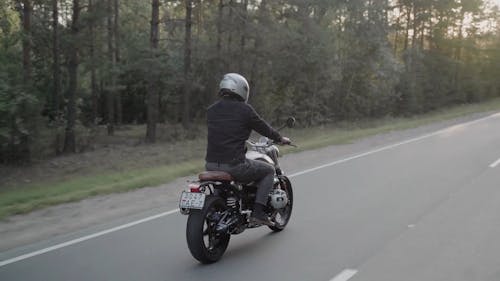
{"x":204,"y":243}
{"x":285,"y":213}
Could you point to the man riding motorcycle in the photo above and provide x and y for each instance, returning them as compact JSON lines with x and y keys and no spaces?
{"x":230,"y":122}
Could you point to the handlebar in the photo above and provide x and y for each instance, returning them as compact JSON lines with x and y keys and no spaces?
{"x":270,"y":143}
{"x":289,"y":144}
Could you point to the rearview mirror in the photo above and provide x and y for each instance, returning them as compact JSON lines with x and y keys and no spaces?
{"x":290,"y":122}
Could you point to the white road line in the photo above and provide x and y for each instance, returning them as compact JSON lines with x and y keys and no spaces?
{"x":494,"y":164}
{"x":345,"y":275}
{"x":85,"y":238}
{"x":363,"y":154}
{"x":390,"y":146}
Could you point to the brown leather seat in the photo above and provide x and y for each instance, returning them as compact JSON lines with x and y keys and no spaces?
{"x":215,"y":176}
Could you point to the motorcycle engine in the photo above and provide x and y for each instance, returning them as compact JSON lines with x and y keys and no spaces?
{"x":278,"y":198}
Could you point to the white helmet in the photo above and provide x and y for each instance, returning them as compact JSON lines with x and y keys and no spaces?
{"x":236,"y":84}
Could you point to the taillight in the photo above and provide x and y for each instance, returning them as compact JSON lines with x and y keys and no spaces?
{"x":194,"y":187}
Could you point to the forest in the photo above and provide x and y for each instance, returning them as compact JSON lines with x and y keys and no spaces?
{"x":70,"y":66}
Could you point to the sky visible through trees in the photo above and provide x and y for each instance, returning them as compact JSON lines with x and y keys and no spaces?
{"x":70,"y":66}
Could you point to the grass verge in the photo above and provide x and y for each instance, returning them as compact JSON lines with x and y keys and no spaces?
{"x":26,"y":198}
{"x":347,"y":132}
{"x":31,"y":197}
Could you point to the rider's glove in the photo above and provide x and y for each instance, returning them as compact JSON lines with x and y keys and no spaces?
{"x":285,"y":140}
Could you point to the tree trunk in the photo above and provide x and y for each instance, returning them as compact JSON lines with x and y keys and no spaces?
{"x":26,"y":21}
{"x":110,"y":97}
{"x":458,"y":50}
{"x":199,"y":18}
{"x":56,"y":94}
{"x":217,"y":66}
{"x":219,"y":26}
{"x":21,"y":152}
{"x":69,"y":141}
{"x":93,"y":76}
{"x":415,"y":25}
{"x":230,"y":33}
{"x":152,"y":97}
{"x":187,"y":64}
{"x":431,"y":31}
{"x":219,"y":38}
{"x":243,"y":35}
{"x":407,"y":32}
{"x":458,"y":57}
{"x":262,"y":15}
{"x":396,"y":36}
{"x":422,"y":31}
{"x":119,"y":115}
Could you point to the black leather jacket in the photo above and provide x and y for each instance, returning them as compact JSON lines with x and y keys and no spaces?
{"x":230,"y":123}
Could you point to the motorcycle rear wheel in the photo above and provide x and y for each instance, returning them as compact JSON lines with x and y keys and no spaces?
{"x":205,"y":244}
{"x":283,"y":215}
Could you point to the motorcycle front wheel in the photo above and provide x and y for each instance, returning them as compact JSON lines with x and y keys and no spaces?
{"x":282,"y":216}
{"x":205,"y":244}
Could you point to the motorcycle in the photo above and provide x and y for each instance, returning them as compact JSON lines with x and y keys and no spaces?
{"x":219,"y":207}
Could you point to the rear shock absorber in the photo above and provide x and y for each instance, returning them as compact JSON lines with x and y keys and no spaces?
{"x":232,"y":202}
{"x":226,"y":225}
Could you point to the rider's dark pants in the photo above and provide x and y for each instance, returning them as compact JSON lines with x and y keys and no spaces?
{"x":251,"y":170}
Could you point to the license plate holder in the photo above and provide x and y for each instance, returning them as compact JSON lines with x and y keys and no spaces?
{"x":192,"y":200}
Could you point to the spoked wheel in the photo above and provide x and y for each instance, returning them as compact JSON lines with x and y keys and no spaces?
{"x":205,"y":244}
{"x":282,"y":216}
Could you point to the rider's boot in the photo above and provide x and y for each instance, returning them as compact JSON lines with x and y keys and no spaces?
{"x":259,"y":216}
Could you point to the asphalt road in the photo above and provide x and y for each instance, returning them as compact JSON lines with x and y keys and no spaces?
{"x":424,"y":209}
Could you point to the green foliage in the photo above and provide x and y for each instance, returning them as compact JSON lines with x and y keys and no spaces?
{"x":321,"y":61}
{"x":17,"y":102}
{"x":9,"y":20}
